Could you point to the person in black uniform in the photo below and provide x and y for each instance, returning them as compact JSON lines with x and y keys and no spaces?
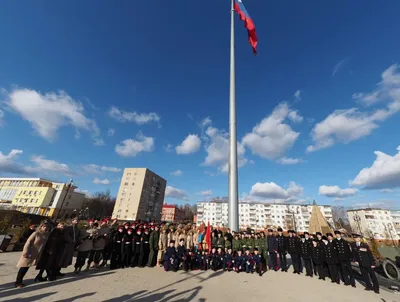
{"x":127,"y":248}
{"x":306,"y":253}
{"x":282,"y":249}
{"x":362,"y":255}
{"x":117,"y":249}
{"x":144,"y":248}
{"x":345,"y":255}
{"x":136,"y":247}
{"x":180,"y":254}
{"x":294,"y":251}
{"x":170,"y":256}
{"x":317,"y":237}
{"x":272,"y":250}
{"x":331,"y":258}
{"x":318,"y":258}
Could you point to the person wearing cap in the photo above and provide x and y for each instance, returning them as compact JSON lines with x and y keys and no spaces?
{"x":72,"y":235}
{"x":282,"y":249}
{"x":90,"y":222}
{"x":294,"y":251}
{"x":306,"y":253}
{"x":85,"y":247}
{"x":317,"y":257}
{"x":272,"y":250}
{"x":116,"y":256}
{"x":331,"y":258}
{"x":345,"y":255}
{"x":248,"y":261}
{"x":228,"y":260}
{"x":108,"y":233}
{"x":363,"y":257}
{"x":136,"y":247}
{"x":153,"y":244}
{"x":162,"y":244}
{"x":126,"y":245}
{"x":238,"y":261}
{"x":144,"y":248}
{"x":180,"y":254}
{"x":257,"y":262}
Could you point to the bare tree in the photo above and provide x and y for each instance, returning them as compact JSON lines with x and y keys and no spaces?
{"x":340,"y":218}
{"x":100,"y":205}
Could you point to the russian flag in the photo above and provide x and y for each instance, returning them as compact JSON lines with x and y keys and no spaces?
{"x":248,"y":24}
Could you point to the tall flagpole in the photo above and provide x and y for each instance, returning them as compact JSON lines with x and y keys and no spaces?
{"x":233,"y":173}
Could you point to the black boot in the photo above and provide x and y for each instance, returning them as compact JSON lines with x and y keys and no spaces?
{"x":20,"y":276}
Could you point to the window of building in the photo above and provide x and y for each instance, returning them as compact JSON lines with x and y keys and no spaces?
{"x":126,"y":184}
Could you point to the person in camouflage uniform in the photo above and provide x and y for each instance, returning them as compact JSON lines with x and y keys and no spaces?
{"x":153,"y":242}
{"x":227,"y":244}
{"x":236,"y":244}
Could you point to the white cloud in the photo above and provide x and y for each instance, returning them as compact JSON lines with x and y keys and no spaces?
{"x":348,"y":125}
{"x":137,"y":118}
{"x":98,"y":181}
{"x":272,"y":137}
{"x":96,"y":169}
{"x":131,"y":147}
{"x":8,"y":164}
{"x":111,"y":132}
{"x":295,"y":117}
{"x":386,"y":191}
{"x":289,"y":161}
{"x":177,"y":173}
{"x":338,"y":66}
{"x":217,"y":148}
{"x":206,"y":122}
{"x":383,"y":174}
{"x":206,"y":193}
{"x":1,"y":117}
{"x":190,"y":144}
{"x":335,"y":191}
{"x":175,"y":193}
{"x":98,"y":142}
{"x":169,"y":148}
{"x":47,"y":113}
{"x":270,"y":190}
{"x":43,"y":165}
{"x":297,"y":95}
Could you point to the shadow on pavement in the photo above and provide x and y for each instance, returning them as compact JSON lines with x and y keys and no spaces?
{"x":6,"y":291}
{"x":166,"y":296}
{"x":76,"y":298}
{"x":31,"y":298}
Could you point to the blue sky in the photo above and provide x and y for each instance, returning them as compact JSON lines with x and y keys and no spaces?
{"x":88,"y":88}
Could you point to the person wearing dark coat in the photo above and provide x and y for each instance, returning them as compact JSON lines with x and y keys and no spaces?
{"x":136,"y":247}
{"x":144,"y":248}
{"x":317,"y":237}
{"x":306,"y":253}
{"x":317,"y":256}
{"x":362,"y":255}
{"x":170,"y":256}
{"x":282,"y":249}
{"x":294,"y":251}
{"x":71,"y":237}
{"x":345,"y":256}
{"x":116,"y":256}
{"x":27,"y":233}
{"x":50,"y":257}
{"x":272,"y":250}
{"x":127,"y":240}
{"x":109,"y":244}
{"x":331,"y":258}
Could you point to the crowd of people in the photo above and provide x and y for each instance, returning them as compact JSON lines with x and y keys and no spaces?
{"x":106,"y":243}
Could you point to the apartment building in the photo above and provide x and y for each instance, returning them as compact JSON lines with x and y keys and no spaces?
{"x":374,"y":222}
{"x":140,"y":195}
{"x":261,"y":215}
{"x":396,"y":221}
{"x":172,"y":213}
{"x":40,"y":196}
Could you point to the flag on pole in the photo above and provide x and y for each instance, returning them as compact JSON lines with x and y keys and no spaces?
{"x":248,"y":24}
{"x":208,"y":237}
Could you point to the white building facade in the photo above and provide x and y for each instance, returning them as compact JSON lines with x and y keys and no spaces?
{"x":375,"y":222}
{"x":261,"y":215}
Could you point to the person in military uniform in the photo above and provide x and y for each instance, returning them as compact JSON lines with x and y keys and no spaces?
{"x":239,"y":261}
{"x":282,"y":249}
{"x":170,"y":256}
{"x":362,"y":255}
{"x":317,"y":256}
{"x":243,"y":242}
{"x":228,"y":260}
{"x":236,"y":243}
{"x":248,"y":261}
{"x":257,"y":262}
{"x":250,"y":242}
{"x":331,"y":257}
{"x":272,"y":250}
{"x":116,"y":255}
{"x":294,"y":251}
{"x":144,"y":248}
{"x":153,"y":244}
{"x":264,"y":250}
{"x":306,"y":253}
{"x":317,"y":237}
{"x":126,"y":248}
{"x":136,"y":247}
{"x":227,"y":244}
{"x":345,"y":256}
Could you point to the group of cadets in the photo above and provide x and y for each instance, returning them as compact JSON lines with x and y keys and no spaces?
{"x":137,"y":245}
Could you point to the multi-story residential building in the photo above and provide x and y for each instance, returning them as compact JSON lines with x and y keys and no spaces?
{"x":140,"y":195}
{"x":261,"y":215}
{"x":172,"y":213}
{"x":396,"y":221}
{"x":373,"y":222}
{"x":40,"y":196}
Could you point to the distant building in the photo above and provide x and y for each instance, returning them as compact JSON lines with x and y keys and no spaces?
{"x":373,"y":223}
{"x":40,"y":196}
{"x":261,"y":215}
{"x":140,"y":195}
{"x":172,"y":213}
{"x":396,"y":221}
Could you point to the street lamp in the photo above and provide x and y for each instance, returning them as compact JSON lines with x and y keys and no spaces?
{"x":65,"y":197}
{"x":357,"y":219}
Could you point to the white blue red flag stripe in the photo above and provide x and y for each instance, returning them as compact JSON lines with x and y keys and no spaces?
{"x":248,"y":24}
